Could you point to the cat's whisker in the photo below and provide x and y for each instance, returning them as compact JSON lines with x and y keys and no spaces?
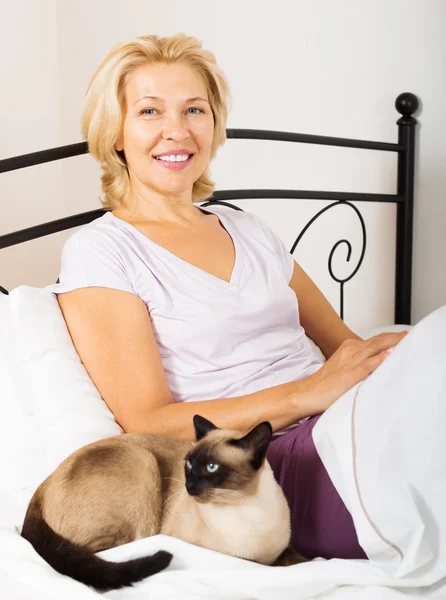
{"x":169,"y":498}
{"x":175,"y":494}
{"x":176,"y":479}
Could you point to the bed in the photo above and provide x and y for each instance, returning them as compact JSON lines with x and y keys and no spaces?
{"x":50,"y":407}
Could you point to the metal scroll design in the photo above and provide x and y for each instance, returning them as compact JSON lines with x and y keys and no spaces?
{"x":333,"y":250}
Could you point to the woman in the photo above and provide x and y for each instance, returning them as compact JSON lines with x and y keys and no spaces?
{"x":175,"y":310}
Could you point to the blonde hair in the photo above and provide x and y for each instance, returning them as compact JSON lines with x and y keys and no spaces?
{"x":103,"y":114}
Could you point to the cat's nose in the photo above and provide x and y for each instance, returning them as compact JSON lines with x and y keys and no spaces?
{"x":192,"y":488}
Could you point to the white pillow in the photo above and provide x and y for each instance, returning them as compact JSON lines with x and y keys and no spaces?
{"x":50,"y":406}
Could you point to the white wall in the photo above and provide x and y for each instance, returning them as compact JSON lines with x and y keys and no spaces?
{"x":329,"y":68}
{"x":29,"y":121}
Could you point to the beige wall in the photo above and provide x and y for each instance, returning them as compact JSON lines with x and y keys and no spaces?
{"x":29,"y":121}
{"x":329,"y":68}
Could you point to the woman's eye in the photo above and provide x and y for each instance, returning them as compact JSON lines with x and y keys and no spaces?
{"x":143,"y":112}
{"x":211,"y":467}
{"x":195,"y":108}
{"x":188,"y":465}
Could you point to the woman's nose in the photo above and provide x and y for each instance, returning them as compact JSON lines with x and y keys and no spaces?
{"x":175,"y":128}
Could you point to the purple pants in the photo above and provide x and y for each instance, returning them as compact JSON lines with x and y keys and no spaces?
{"x":320,"y":522}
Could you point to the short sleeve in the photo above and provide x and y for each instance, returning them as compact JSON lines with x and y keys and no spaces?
{"x":90,"y":258}
{"x":285,"y":257}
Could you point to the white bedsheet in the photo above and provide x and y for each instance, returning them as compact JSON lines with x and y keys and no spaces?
{"x":399,"y":425}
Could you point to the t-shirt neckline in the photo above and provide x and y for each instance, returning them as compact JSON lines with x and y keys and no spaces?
{"x":235,"y":275}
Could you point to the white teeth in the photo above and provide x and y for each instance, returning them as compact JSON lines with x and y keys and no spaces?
{"x":174,"y":158}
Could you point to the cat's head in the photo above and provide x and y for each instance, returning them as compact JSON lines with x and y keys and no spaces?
{"x":224,"y":466}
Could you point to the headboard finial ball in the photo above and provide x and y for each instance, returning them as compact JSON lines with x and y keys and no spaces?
{"x":406,"y":104}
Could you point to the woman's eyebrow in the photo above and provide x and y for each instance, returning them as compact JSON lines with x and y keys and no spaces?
{"x":158,"y":99}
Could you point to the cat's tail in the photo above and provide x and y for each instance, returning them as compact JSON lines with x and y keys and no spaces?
{"x":83,"y":565}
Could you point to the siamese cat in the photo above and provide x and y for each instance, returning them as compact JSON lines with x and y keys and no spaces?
{"x":218,"y":492}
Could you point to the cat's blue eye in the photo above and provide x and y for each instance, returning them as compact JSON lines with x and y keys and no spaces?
{"x":188,"y":465}
{"x":212,"y":467}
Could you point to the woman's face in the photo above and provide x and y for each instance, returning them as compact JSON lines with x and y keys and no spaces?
{"x":178,"y":116}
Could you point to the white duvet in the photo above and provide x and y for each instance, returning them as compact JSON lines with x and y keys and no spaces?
{"x":383,"y":444}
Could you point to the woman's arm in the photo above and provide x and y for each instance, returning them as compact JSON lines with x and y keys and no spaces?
{"x":112,"y":333}
{"x":317,"y":316}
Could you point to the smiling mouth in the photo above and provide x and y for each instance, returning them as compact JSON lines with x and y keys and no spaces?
{"x":185,"y":154}
{"x":174,"y":165}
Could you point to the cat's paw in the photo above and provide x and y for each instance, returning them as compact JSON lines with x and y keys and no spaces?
{"x":289,"y":557}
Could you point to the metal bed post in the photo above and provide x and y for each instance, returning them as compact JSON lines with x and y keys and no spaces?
{"x":406,"y":104}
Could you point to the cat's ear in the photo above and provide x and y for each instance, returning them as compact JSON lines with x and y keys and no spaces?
{"x":202,"y":426}
{"x":256,"y":441}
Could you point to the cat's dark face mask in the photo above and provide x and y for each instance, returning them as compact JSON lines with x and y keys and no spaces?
{"x":223,"y":468}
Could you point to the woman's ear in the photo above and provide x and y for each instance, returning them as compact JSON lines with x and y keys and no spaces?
{"x":119,"y":147}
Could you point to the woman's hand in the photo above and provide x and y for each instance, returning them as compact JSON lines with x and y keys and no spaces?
{"x":352,"y":362}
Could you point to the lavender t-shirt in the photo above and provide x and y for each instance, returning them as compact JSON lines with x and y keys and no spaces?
{"x":216,"y":339}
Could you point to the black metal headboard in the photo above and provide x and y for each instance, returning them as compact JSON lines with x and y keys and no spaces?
{"x":406,"y":104}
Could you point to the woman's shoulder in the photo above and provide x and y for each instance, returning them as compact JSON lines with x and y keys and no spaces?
{"x":93,"y":256}
{"x":100,"y":232}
